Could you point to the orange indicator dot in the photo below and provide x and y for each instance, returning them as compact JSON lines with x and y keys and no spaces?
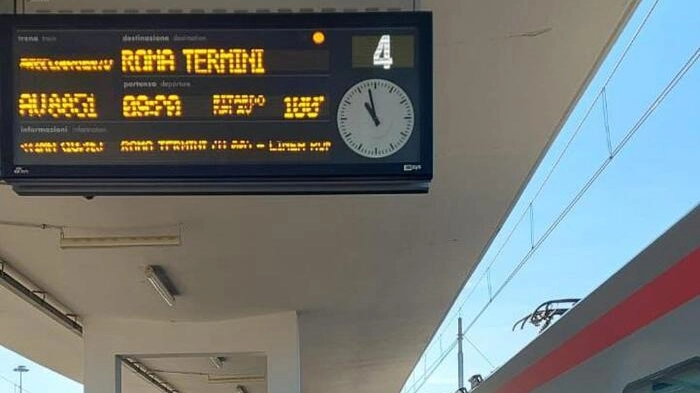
{"x":319,"y":38}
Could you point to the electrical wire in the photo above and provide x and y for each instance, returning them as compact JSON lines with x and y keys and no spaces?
{"x":424,"y":378}
{"x":483,"y":356}
{"x":24,"y":224}
{"x":631,"y":42}
{"x":650,"y":110}
{"x":559,"y":158}
{"x":669,"y":87}
{"x":598,"y":96}
{"x":15,"y":385}
{"x":576,"y":132}
{"x":419,"y":384}
{"x":63,"y":228}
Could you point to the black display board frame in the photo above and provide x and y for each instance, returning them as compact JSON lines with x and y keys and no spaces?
{"x":88,"y":180}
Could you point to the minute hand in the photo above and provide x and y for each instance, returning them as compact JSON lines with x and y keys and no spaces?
{"x":371,"y":109}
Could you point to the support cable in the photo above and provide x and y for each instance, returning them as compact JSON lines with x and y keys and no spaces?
{"x":650,"y":110}
{"x":430,"y":370}
{"x":483,"y":356}
{"x":16,"y":387}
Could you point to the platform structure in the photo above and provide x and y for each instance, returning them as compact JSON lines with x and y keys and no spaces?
{"x":335,"y":293}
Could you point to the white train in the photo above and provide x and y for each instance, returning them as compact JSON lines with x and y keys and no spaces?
{"x":639,"y":332}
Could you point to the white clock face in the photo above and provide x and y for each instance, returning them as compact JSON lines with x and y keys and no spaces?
{"x":375,"y":118}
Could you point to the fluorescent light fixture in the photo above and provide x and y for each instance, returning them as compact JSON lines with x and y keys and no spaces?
{"x":238,"y":379}
{"x":217,"y":362}
{"x":33,"y":295}
{"x":119,"y":241}
{"x":158,"y":285}
{"x":148,"y":375}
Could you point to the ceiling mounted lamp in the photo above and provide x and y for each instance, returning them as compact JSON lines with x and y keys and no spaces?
{"x":119,"y":241}
{"x":238,"y":379}
{"x":100,"y":238}
{"x":153,"y":276}
{"x":217,"y":361}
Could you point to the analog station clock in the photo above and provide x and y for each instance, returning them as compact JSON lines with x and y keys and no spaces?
{"x":375,"y":118}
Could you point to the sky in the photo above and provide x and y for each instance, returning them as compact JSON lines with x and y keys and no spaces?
{"x":647,"y":187}
{"x":38,"y":380}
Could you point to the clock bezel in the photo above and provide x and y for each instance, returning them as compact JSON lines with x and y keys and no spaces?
{"x":345,"y":98}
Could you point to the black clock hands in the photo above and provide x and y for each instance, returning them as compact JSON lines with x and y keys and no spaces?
{"x":371,"y":109}
{"x":371,"y":100}
{"x":372,"y":114}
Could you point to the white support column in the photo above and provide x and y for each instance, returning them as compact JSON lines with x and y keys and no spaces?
{"x":276,"y":335}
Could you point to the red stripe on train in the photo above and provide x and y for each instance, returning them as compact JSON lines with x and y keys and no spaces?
{"x":668,"y":291}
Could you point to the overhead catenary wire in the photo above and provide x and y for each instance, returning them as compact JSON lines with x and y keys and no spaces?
{"x":568,"y":144}
{"x":634,"y":38}
{"x":692,"y":60}
{"x":665,"y":92}
{"x":430,"y":369}
{"x":650,"y":110}
{"x":595,"y":101}
{"x":480,"y":352}
{"x":15,"y":385}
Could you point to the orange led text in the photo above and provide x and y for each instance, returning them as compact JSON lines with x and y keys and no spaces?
{"x":148,"y":60}
{"x":158,"y":106}
{"x":224,"y":61}
{"x":63,"y":65}
{"x":58,"y":105}
{"x":236,"y":104}
{"x":303,"y":107}
{"x":68,"y":147}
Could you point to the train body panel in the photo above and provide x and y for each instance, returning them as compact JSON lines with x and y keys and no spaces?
{"x":642,"y":320}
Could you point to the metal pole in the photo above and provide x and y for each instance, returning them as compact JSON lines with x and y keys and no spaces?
{"x":21,"y":370}
{"x":460,"y":354}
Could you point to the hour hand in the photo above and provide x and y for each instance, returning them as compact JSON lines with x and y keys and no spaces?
{"x":372,"y":114}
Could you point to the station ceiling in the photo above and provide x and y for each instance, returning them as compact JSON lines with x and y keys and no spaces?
{"x":371,"y":277}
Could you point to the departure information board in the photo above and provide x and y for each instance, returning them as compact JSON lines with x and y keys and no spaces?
{"x":90,"y":101}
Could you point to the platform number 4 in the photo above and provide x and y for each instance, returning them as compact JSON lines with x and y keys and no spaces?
{"x":382,"y":55}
